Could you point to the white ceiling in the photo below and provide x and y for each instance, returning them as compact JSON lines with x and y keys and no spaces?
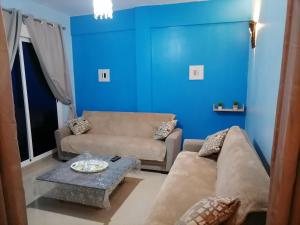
{"x":83,"y":7}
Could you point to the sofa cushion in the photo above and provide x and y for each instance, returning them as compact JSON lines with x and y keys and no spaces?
{"x":210,"y":211}
{"x":164,"y":130}
{"x":213,"y":143}
{"x":79,"y":126}
{"x":125,"y":123}
{"x":191,"y":179}
{"x":240,"y":174}
{"x":142,"y":148}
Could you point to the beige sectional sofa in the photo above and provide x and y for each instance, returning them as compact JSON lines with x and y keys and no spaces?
{"x":123,"y":134}
{"x":238,"y":172}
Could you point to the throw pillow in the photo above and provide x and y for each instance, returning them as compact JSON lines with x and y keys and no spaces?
{"x":210,"y":211}
{"x":164,"y":130}
{"x":213,"y":143}
{"x":79,"y":126}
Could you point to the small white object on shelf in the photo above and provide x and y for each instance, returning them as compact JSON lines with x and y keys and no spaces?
{"x":217,"y":109}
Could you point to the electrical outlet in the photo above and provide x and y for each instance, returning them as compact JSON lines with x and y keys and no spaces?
{"x":196,"y":72}
{"x":104,"y":75}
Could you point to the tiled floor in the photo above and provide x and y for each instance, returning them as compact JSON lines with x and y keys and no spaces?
{"x":133,"y":210}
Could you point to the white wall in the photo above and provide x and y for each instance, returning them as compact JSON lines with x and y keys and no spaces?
{"x":45,"y":13}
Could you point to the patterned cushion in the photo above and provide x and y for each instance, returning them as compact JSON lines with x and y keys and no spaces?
{"x":217,"y":133}
{"x":210,"y":211}
{"x":213,"y":143}
{"x":164,"y":130}
{"x":79,"y":126}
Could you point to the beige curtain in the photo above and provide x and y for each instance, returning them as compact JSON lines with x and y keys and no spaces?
{"x":48,"y":44}
{"x":284,"y":206}
{"x":13,"y":24}
{"x":12,"y":200}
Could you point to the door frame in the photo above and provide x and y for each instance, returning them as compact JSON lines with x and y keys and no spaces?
{"x":59,"y":107}
{"x":26,"y":104}
{"x":284,"y":201}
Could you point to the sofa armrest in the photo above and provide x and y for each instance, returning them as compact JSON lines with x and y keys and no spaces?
{"x":173,"y":144}
{"x":59,"y":135}
{"x":192,"y":145}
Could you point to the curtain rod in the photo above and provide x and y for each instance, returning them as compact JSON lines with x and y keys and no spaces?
{"x":26,"y":16}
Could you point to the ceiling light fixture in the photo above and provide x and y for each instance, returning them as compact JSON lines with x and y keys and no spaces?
{"x":103,"y":9}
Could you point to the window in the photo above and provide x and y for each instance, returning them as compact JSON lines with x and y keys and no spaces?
{"x":35,"y":106}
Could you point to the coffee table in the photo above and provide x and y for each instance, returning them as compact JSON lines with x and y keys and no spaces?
{"x":92,"y":189}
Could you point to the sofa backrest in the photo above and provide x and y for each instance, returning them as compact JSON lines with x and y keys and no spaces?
{"x":126,"y":123}
{"x":240,"y":174}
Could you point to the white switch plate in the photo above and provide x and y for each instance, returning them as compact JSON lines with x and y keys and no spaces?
{"x":196,"y":72}
{"x":104,"y":75}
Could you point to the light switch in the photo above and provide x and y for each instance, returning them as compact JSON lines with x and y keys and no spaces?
{"x":196,"y":72}
{"x":104,"y":75}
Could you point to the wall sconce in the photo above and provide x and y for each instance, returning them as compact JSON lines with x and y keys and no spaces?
{"x":252,"y":29}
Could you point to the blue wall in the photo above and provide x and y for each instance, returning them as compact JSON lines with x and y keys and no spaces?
{"x":109,"y":44}
{"x":264,"y":76}
{"x":149,"y":50}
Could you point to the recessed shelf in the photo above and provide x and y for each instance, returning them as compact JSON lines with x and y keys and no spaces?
{"x":240,"y":110}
